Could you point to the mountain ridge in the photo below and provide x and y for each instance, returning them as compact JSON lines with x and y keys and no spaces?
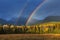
{"x":20,"y":21}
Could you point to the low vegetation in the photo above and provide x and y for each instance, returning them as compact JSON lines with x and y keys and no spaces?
{"x":33,"y":29}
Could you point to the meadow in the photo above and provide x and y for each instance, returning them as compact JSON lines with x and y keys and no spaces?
{"x":30,"y":37}
{"x":34,"y":32}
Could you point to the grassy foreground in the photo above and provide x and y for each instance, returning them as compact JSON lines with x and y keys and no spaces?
{"x":30,"y":37}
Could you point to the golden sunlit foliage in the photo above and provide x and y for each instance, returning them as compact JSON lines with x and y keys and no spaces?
{"x":49,"y":27}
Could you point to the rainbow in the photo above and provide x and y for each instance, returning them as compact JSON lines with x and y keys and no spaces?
{"x":24,"y":8}
{"x":34,"y":11}
{"x":22,"y":11}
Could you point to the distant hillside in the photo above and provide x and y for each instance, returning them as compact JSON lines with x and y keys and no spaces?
{"x":12,"y":21}
{"x":52,"y":18}
{"x":35,"y":21}
{"x":18,"y":21}
{"x":48,"y":19}
{"x":2,"y":21}
{"x":21,"y":21}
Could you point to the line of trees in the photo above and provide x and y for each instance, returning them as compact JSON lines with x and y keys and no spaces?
{"x":12,"y":29}
{"x":35,"y":29}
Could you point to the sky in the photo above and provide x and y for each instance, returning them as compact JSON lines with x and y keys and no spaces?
{"x":22,"y":9}
{"x":48,"y":8}
{"x":13,"y":8}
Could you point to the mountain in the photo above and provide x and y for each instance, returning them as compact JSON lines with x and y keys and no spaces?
{"x":2,"y":21}
{"x":34,"y":21}
{"x":12,"y":21}
{"x":47,"y":19}
{"x":18,"y":21}
{"x":22,"y":21}
{"x":37,"y":22}
{"x":52,"y":18}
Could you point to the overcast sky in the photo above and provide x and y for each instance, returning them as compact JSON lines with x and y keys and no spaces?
{"x":13,"y":8}
{"x":49,"y":8}
{"x":22,"y":8}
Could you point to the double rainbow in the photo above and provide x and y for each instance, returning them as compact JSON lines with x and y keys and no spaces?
{"x":34,"y":11}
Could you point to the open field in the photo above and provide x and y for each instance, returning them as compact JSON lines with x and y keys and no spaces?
{"x":30,"y":37}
